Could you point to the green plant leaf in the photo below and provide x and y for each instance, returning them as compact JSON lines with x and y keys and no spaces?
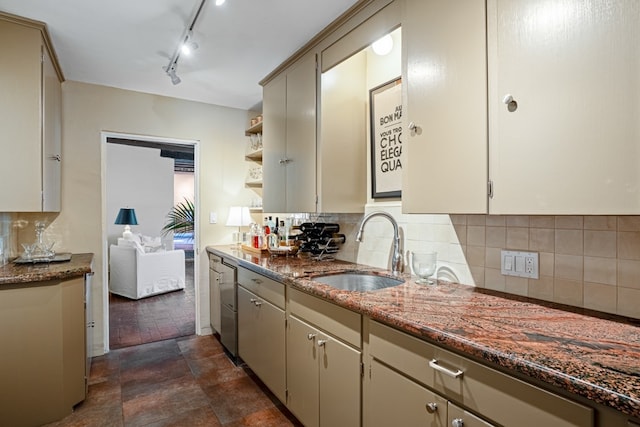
{"x":180,"y":219}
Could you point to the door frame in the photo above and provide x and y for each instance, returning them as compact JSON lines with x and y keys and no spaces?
{"x":104,"y":135}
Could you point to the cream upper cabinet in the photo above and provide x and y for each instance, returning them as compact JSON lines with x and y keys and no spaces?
{"x":564,"y":106}
{"x":289,"y":139}
{"x":445,"y":96}
{"x":30,"y":118}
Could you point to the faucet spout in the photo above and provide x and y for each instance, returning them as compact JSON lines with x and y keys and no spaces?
{"x":396,"y":259}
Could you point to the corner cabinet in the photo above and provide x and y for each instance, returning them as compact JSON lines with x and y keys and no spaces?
{"x":46,"y":332}
{"x":289,"y":147}
{"x":564,"y":96}
{"x":30,"y":118}
{"x":444,"y":77}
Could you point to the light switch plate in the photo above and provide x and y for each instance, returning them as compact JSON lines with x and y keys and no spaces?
{"x":213,"y":218}
{"x":519,"y":264}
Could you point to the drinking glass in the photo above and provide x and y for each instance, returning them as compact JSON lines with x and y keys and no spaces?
{"x":424,"y":266}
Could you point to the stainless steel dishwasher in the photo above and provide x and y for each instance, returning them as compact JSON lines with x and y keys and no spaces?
{"x":229,"y":309}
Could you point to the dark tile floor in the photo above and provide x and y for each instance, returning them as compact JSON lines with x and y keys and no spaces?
{"x":160,"y":317}
{"x":186,"y":381}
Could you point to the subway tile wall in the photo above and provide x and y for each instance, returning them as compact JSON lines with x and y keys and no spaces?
{"x":585,"y":261}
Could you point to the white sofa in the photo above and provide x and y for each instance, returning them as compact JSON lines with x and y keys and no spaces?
{"x":135,"y":273}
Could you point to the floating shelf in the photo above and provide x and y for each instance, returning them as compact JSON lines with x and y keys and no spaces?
{"x":257,"y":128}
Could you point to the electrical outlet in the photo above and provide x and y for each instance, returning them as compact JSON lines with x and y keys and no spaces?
{"x":519,"y":264}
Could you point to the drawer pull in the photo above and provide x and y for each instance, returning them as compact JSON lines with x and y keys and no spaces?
{"x":256,"y":281}
{"x":321,"y":343}
{"x":311,"y":336}
{"x":432,"y":407}
{"x":255,"y":302}
{"x":452,"y":374}
{"x":457,"y":422}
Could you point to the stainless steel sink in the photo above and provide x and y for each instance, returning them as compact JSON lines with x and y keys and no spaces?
{"x":355,"y":281}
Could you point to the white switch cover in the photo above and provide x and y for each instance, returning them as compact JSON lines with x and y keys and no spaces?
{"x":520,"y":264}
{"x":213,"y":218}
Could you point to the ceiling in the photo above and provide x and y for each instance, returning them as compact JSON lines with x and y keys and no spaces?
{"x":125,"y":44}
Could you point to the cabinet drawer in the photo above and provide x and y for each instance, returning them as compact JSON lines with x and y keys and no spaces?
{"x":499,"y":397}
{"x":262,"y":286}
{"x":338,"y":321}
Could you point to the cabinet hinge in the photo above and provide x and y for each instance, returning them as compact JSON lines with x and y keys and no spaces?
{"x":362,"y":370}
{"x":490,"y":189}
{"x":316,"y":200}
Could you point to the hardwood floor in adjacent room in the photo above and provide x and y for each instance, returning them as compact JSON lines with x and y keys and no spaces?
{"x":187,"y":381}
{"x":160,"y":317}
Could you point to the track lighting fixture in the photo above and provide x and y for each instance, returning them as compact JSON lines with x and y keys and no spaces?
{"x":186,"y":46}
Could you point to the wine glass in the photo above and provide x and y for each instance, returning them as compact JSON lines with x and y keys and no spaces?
{"x":424,"y":266}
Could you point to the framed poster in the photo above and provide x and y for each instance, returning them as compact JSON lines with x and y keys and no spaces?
{"x":386,"y":139}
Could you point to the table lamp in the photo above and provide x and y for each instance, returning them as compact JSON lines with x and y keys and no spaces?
{"x":127,"y":217}
{"x":239,"y":216}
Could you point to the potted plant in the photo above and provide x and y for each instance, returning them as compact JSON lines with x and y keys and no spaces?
{"x":180,"y":219}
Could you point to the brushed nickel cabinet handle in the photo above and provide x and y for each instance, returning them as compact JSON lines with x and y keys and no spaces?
{"x":453,"y":374}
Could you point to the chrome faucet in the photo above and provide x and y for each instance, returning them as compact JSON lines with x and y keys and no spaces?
{"x":396,"y":260}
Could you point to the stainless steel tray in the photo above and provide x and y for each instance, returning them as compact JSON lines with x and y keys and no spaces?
{"x":61,"y":257}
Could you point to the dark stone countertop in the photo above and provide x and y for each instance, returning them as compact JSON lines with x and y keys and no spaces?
{"x":589,"y":354}
{"x":15,"y":274}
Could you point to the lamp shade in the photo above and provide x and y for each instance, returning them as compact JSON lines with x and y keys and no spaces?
{"x":127,"y":216}
{"x":239,"y":216}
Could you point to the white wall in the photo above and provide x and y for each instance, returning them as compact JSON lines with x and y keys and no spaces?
{"x":138,"y":178}
{"x":183,"y":187}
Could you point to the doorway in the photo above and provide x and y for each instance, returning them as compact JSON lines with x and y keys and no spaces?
{"x":151,"y":175}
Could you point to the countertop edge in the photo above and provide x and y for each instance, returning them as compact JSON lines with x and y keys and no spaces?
{"x":78,"y":266}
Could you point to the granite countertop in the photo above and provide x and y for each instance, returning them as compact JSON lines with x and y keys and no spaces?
{"x":12,"y":274}
{"x":588,"y":354}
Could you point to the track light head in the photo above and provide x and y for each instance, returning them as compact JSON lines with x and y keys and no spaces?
{"x":171,"y":72}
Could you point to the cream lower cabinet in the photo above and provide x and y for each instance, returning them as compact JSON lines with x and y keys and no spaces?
{"x":43,"y":363}
{"x":413,"y":374}
{"x":261,"y":328}
{"x":323,"y":362}
{"x":397,"y":400}
{"x":215,"y":267}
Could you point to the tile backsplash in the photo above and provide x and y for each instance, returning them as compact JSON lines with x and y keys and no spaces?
{"x":585,"y":261}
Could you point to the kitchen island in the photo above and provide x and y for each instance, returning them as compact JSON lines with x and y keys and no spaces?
{"x":590,"y":357}
{"x":45,"y":329}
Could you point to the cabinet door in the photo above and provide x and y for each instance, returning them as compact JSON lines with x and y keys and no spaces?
{"x":302,"y":371}
{"x":445,"y":92}
{"x":340,"y":383}
{"x":274,"y":145}
{"x":393,"y":399}
{"x":214,"y":300}
{"x":572,"y":145}
{"x":20,"y":130}
{"x":51,"y":136}
{"x":74,"y":340}
{"x":301,"y":136}
{"x":261,"y":340}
